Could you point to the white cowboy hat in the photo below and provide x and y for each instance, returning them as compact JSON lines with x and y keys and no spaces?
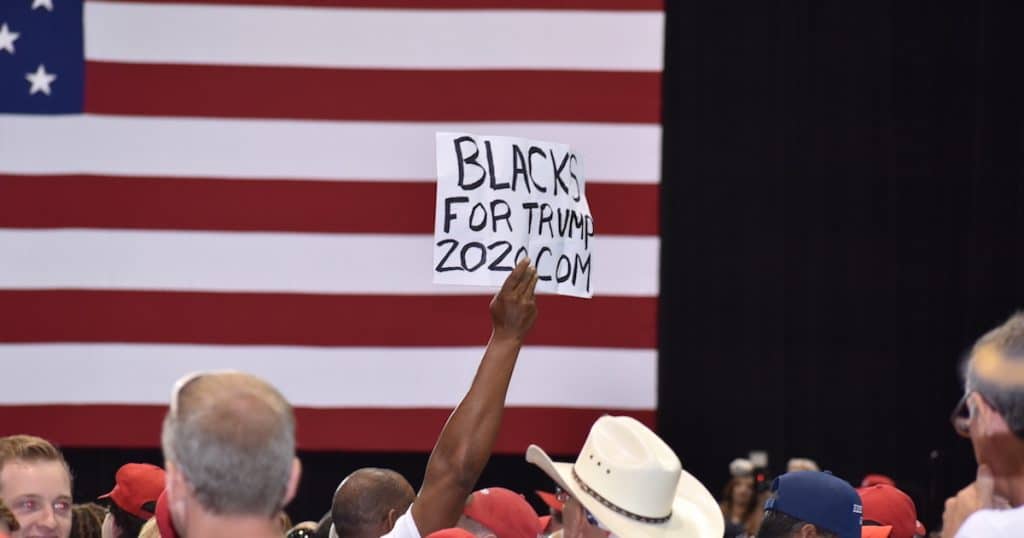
{"x":633,"y":483}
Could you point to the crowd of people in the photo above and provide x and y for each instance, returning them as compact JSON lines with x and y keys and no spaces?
{"x":230,"y":469}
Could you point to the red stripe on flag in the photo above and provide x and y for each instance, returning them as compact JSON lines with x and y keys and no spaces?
{"x":597,"y":5}
{"x":369,"y":94}
{"x":558,"y":430}
{"x":312,"y":320}
{"x":269,"y":205}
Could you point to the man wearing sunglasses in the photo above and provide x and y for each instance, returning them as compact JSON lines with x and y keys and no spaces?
{"x":991,"y":414}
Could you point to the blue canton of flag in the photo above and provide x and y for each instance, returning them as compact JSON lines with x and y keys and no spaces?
{"x":42,"y":59}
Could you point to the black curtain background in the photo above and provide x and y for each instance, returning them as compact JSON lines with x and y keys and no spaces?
{"x":842,"y":216}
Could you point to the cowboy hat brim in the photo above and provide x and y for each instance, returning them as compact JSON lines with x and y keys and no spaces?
{"x":695,"y":514}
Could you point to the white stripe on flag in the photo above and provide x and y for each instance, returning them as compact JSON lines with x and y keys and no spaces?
{"x":273,"y":262}
{"x":623,"y":153}
{"x":328,"y":377}
{"x":378,"y":38}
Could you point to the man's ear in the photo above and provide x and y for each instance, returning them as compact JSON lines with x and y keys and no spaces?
{"x":177,"y":489}
{"x":293,"y":482}
{"x":807,"y":531}
{"x":175,"y":483}
{"x":390,"y":520}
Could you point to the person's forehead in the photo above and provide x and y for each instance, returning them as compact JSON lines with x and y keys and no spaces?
{"x":45,"y":478}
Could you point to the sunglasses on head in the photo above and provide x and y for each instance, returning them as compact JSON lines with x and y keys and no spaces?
{"x":963,"y":413}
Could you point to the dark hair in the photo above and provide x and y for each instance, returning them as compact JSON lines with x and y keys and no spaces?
{"x":364,"y":499}
{"x":129,"y":524}
{"x":749,"y":511}
{"x":781,"y":525}
{"x":7,"y":518}
{"x":87,"y":520}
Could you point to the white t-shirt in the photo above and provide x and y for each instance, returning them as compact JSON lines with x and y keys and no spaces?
{"x":993,"y":524}
{"x":405,"y":527}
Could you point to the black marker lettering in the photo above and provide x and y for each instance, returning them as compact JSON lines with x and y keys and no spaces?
{"x":529,"y":206}
{"x":490,"y":164}
{"x":496,"y":264}
{"x":558,"y":169}
{"x":505,"y":215}
{"x":589,"y":227}
{"x":572,"y":174}
{"x":483,"y":255}
{"x":540,"y":256}
{"x":581,"y":267}
{"x":520,"y":254}
{"x":519,"y":168}
{"x":440,"y":268}
{"x":463,"y":161}
{"x":483,"y":217}
{"x":558,"y":269}
{"x":534,"y":150}
{"x":449,"y":216}
{"x":546,"y":216}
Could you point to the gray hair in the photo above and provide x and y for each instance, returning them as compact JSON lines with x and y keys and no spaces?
{"x":1006,"y":340}
{"x":232,"y":435}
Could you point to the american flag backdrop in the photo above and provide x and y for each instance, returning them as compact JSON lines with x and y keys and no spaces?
{"x":250,"y":184}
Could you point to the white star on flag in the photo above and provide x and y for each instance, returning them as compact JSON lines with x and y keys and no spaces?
{"x":7,"y":38}
{"x":40,"y":80}
{"x":48,"y":4}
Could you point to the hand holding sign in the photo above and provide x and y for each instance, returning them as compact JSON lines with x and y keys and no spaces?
{"x":514,"y":308}
{"x":500,"y":200}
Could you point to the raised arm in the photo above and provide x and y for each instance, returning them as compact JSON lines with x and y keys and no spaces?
{"x":467,"y":439}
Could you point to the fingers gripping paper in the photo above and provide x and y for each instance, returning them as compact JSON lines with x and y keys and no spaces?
{"x":500,"y":199}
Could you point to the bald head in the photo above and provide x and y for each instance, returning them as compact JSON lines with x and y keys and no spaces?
{"x":368,"y":502}
{"x":232,"y":435}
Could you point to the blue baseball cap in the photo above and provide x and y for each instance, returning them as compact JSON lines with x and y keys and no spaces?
{"x":818,"y":498}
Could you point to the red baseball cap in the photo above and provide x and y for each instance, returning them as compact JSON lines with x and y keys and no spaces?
{"x":451,"y":533}
{"x":874,"y":531}
{"x":886,"y":505}
{"x":503,"y":511}
{"x":551,"y":500}
{"x":163,"y":517}
{"x":873,"y":479}
{"x":136,"y":489}
{"x":920,"y":531}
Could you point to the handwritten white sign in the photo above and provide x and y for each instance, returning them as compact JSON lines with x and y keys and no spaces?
{"x":500,"y":199}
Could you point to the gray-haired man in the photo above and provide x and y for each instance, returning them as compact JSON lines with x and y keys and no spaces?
{"x":991,"y":414}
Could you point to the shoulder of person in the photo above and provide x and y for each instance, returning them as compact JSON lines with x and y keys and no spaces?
{"x":405,"y":527}
{"x":993,"y":524}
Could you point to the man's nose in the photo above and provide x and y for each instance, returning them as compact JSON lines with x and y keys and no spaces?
{"x":49,"y":519}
